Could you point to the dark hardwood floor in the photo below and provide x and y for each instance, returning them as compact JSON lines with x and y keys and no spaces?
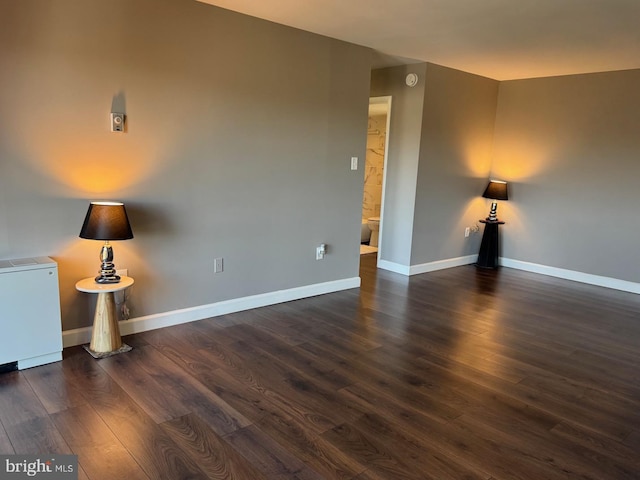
{"x":455,"y":374}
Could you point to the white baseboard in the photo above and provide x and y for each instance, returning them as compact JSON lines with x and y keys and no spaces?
{"x":442,"y":264}
{"x":393,"y":267}
{"x":79,"y":336}
{"x":590,"y":279}
{"x":427,"y":267}
{"x":597,"y":280}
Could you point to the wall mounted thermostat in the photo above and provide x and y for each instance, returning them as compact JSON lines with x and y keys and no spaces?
{"x":411,"y":80}
{"x":117,"y":122}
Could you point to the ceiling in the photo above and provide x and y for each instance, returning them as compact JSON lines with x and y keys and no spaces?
{"x":499,"y":39}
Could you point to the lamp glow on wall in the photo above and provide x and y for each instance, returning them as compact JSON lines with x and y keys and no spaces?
{"x":496,"y":190}
{"x":106,"y":221}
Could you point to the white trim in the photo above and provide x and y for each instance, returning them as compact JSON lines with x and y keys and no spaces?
{"x":79,"y":336}
{"x":442,"y":264}
{"x":393,"y":267}
{"x":597,"y":280}
{"x":427,"y":267}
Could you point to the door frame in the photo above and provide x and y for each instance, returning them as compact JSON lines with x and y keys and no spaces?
{"x":385,"y":100}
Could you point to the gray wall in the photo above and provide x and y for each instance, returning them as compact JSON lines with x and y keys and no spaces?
{"x":239,"y":137}
{"x":403,"y":157}
{"x":439,"y":160}
{"x":570,"y":148}
{"x":455,"y":158}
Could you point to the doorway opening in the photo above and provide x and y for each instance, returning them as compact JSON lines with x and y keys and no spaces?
{"x":375,"y":175}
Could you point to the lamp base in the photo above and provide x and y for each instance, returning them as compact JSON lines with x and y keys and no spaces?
{"x":108,"y":279}
{"x":493,"y":217}
{"x":107,"y":272}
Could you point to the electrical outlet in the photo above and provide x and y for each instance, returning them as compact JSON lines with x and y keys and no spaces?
{"x":354,"y":163}
{"x":123,"y":272}
{"x":466,"y":232}
{"x":218,"y":265}
{"x":320,"y":251}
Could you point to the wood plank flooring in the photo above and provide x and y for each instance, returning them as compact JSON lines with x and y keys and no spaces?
{"x":455,"y":374}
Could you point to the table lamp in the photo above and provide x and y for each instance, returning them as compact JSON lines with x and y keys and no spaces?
{"x":106,"y":221}
{"x":496,"y":190}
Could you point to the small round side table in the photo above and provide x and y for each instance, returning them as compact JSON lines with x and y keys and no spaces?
{"x":105,"y":336}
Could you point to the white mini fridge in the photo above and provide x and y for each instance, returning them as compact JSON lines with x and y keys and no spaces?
{"x":30,"y":324}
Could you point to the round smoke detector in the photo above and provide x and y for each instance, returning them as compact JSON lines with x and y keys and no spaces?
{"x":411,"y":80}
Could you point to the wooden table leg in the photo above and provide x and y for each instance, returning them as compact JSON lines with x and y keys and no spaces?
{"x":105,"y":336}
